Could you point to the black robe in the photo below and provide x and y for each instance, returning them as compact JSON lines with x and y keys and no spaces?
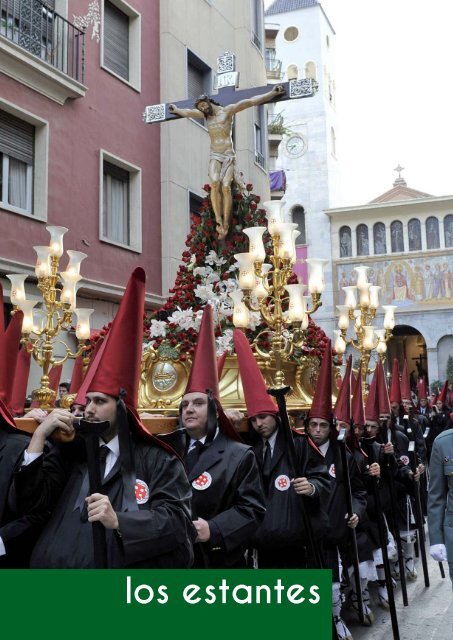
{"x":17,"y":530}
{"x":339,"y":537}
{"x":157,"y":534}
{"x":281,"y":537}
{"x":227,"y":492}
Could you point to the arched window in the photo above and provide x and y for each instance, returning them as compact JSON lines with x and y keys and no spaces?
{"x":333,"y":141}
{"x":345,"y":242}
{"x":380,"y":242}
{"x":415,"y":235}
{"x":396,"y":234}
{"x":432,"y":233}
{"x":448,"y":230}
{"x":292,"y":72}
{"x":298,"y":216}
{"x":310,"y":70}
{"x":363,"y":246}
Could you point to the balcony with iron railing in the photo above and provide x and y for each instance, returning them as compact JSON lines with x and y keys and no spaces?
{"x":33,"y":34}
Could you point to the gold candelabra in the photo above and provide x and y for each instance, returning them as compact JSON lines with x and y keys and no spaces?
{"x":264,"y":289}
{"x":41,"y":327}
{"x":363,"y":311}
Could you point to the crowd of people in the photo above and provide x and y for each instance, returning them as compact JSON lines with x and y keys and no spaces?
{"x":93,"y":488}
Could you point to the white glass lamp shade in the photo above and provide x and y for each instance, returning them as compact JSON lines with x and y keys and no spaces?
{"x":343,"y":320}
{"x":42,"y":268}
{"x":83,"y":323}
{"x":381,"y":346}
{"x":39,"y":319}
{"x":246,"y":270}
{"x":75,"y":259}
{"x":297,"y":306}
{"x":241,"y":315}
{"x":340,"y":344}
{"x":361,"y":276}
{"x":374,"y":296}
{"x":350,"y":297}
{"x":256,"y":246}
{"x":368,"y":337}
{"x":285,"y":230}
{"x":358,"y":318}
{"x":273,"y":213}
{"x":27,"y":307}
{"x":364,"y":296}
{"x":56,"y":240}
{"x":316,"y":277}
{"x":17,"y":287}
{"x":305,"y":322}
{"x":389,"y":316}
{"x":69,"y":291}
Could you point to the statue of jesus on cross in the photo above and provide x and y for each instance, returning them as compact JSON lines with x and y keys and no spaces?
{"x":219,"y":116}
{"x":219,"y":122}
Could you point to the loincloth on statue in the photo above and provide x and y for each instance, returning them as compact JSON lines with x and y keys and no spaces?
{"x":226,"y":161}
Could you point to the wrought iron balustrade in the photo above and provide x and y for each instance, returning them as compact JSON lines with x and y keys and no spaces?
{"x":37,"y":28}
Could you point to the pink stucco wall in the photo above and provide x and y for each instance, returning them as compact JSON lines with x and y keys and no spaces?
{"x":109,"y":117}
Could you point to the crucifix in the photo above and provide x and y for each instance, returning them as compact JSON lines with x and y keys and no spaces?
{"x":218,"y":115}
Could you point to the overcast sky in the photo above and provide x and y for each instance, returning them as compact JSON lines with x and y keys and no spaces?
{"x":394,"y":74}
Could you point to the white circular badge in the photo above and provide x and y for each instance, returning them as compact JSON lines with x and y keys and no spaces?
{"x":332,"y":471}
{"x":404,"y":459}
{"x":203,"y":481}
{"x":282,"y":483}
{"x":141,"y":491}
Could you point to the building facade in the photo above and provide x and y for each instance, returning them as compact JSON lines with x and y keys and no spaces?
{"x":405,"y":237}
{"x":75,"y":76}
{"x":194,"y":33}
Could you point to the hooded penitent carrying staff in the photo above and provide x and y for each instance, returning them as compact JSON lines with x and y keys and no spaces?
{"x":373,"y":401}
{"x":115,"y":371}
{"x":279,"y":394}
{"x":418,"y":513}
{"x":390,"y":463}
{"x":342,"y":413}
{"x":258,"y":403}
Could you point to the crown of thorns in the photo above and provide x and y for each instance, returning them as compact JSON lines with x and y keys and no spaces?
{"x":205,"y":98}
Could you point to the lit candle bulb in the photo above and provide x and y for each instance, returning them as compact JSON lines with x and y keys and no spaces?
{"x":296,"y":306}
{"x":241,"y":315}
{"x":343,"y":320}
{"x":256,"y":246}
{"x":75,"y":259}
{"x":389,"y":317}
{"x":316,"y":277}
{"x":56,"y":240}
{"x":368,"y":337}
{"x":246,"y":270}
{"x":83,"y":323}
{"x":42,"y":268}
{"x":27,"y":307}
{"x":273,"y":213}
{"x":340,"y":344}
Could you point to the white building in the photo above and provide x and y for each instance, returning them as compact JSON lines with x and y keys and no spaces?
{"x":300,"y":43}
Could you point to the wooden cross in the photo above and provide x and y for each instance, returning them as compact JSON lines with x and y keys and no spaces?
{"x":227,"y":83}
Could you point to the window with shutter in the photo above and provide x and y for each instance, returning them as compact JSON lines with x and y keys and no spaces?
{"x":16,"y":162}
{"x":116,"y":40}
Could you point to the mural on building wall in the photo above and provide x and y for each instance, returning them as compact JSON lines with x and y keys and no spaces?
{"x":424,"y":281}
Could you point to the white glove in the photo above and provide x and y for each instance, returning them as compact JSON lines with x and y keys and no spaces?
{"x":438,"y":552}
